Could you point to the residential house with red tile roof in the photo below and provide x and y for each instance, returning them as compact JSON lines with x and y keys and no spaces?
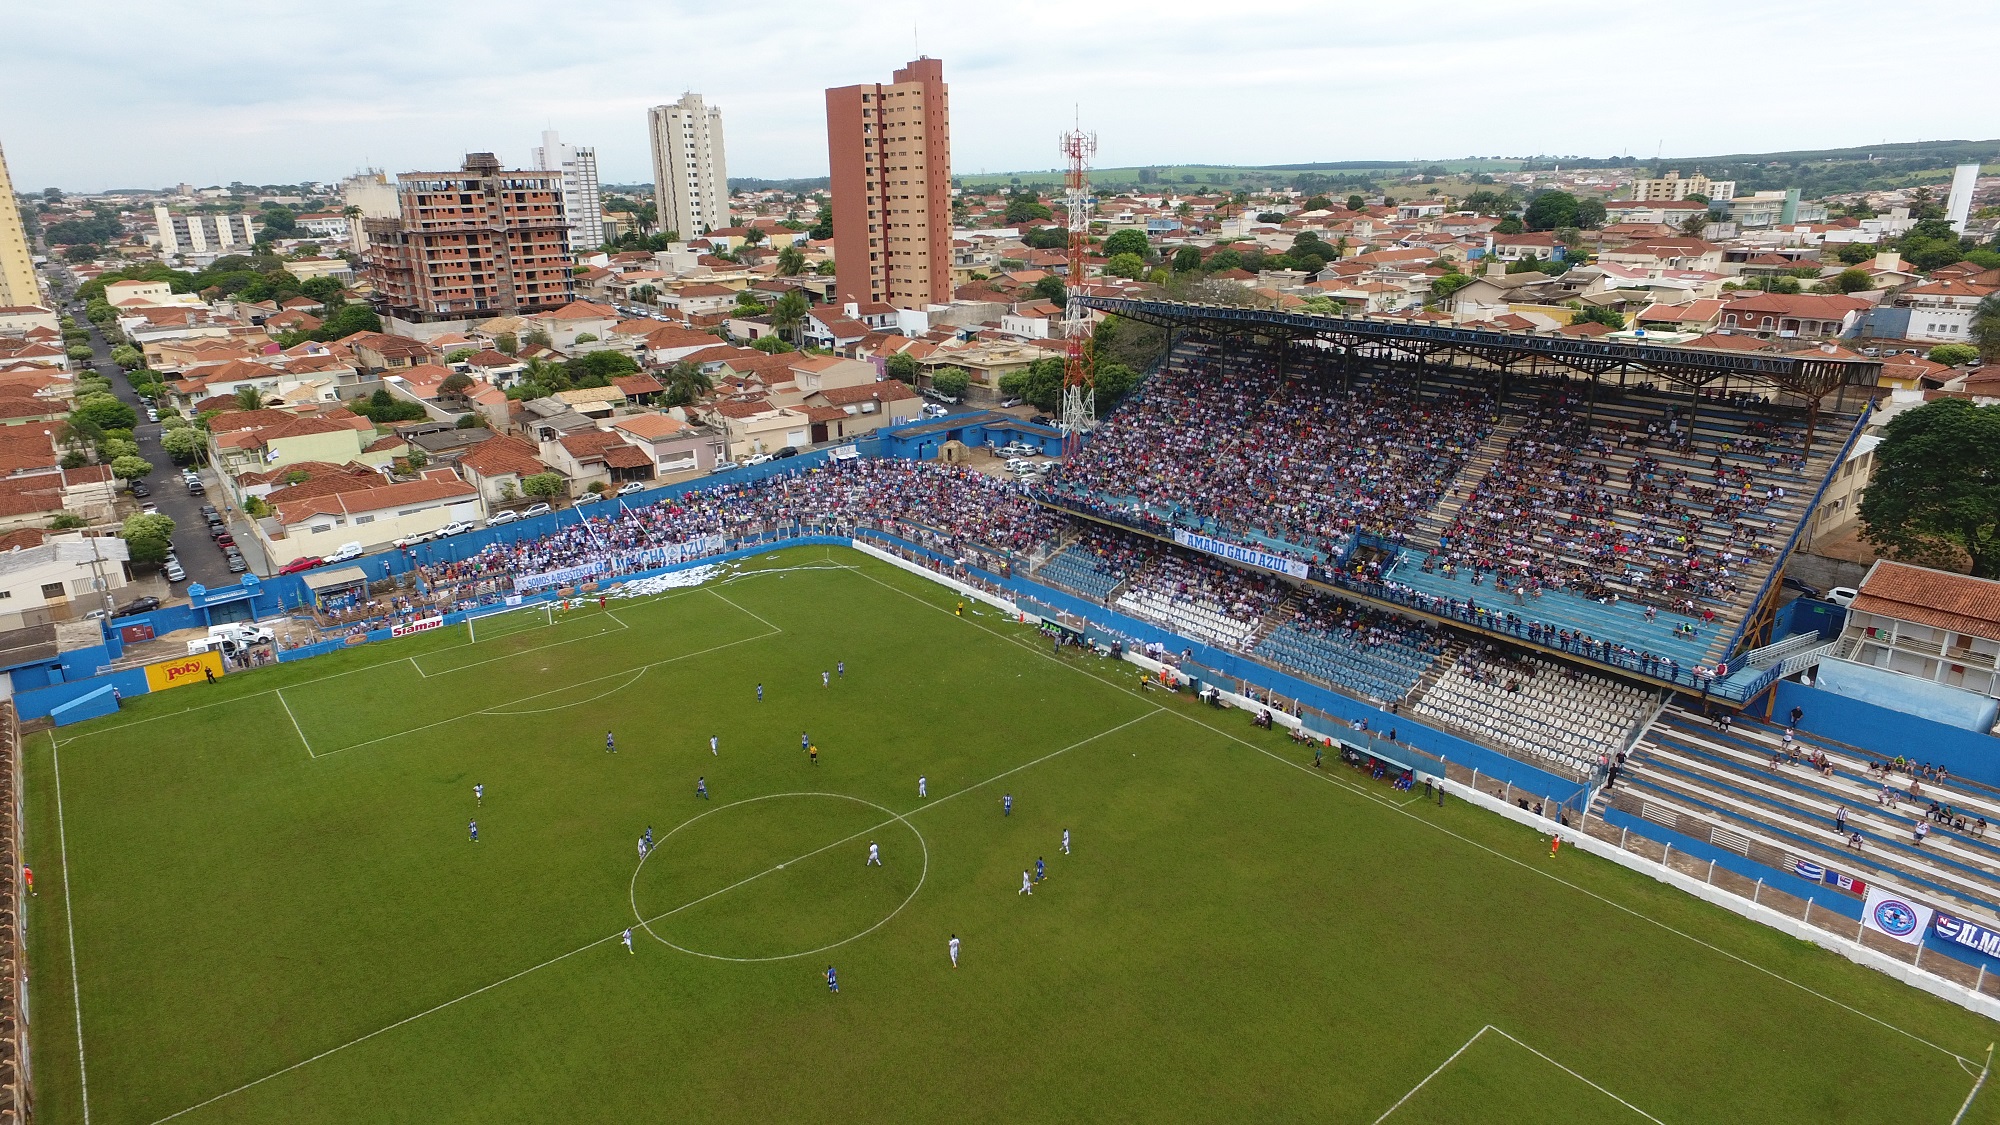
{"x":1930,"y":624}
{"x":373,"y":516}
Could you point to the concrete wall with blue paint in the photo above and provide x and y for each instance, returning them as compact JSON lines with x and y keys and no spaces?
{"x":1888,"y":733}
{"x":39,"y":702}
{"x":1822,"y":896}
{"x":921,"y":440}
{"x":1806,"y":615}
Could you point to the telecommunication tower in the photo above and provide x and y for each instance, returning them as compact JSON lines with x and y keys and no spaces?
{"x":1079,"y":400}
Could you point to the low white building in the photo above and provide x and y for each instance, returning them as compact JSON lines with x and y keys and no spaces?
{"x":63,"y":579}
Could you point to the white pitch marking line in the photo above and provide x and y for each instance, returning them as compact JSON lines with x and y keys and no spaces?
{"x":419,"y":668}
{"x":613,"y":937}
{"x":1579,"y":1077}
{"x":1412,"y":1091}
{"x":69,"y":922}
{"x":739,"y":608}
{"x":1358,"y":791}
{"x":280,"y":693}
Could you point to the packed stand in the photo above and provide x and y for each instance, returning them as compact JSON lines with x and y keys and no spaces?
{"x":1639,"y":504}
{"x":1220,"y":441}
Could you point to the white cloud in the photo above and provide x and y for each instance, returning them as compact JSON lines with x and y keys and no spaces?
{"x":96,"y":94}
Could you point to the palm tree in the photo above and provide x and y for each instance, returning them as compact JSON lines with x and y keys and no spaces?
{"x":686,"y":382}
{"x":790,"y":312}
{"x":791,"y":262}
{"x":249,"y":398}
{"x":545,"y":374}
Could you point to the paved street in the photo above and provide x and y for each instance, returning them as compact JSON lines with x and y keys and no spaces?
{"x":198,"y":553}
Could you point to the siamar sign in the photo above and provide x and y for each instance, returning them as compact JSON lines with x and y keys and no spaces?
{"x":1236,"y":553}
{"x":420,"y":625}
{"x":187,"y":670}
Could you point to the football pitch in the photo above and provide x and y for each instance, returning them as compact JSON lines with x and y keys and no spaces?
{"x":263,"y":898}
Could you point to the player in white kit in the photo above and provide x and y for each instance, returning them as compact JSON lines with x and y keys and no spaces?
{"x":874,"y":855}
{"x":954,"y":951}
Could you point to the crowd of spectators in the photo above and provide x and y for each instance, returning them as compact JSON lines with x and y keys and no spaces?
{"x":1358,"y":626}
{"x":947,"y":507}
{"x":1617,"y":509}
{"x":1234,"y":443}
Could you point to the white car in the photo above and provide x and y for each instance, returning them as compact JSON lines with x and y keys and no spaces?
{"x":347,"y":552}
{"x":536,"y":510}
{"x":588,"y":498}
{"x":630,"y":487}
{"x":406,"y":541}
{"x":757,"y":459}
{"x":933,"y":410}
{"x":152,"y":415}
{"x":149,"y":509}
{"x":498,"y":518}
{"x":1842,"y":595}
{"x":453,"y":528}
{"x":174,"y":571}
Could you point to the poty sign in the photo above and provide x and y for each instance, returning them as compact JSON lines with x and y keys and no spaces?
{"x":1895,"y":916}
{"x":187,"y":670}
{"x":1236,"y":553}
{"x":420,"y":625}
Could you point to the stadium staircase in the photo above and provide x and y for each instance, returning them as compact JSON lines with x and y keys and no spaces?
{"x":1433,"y":523}
{"x":1282,"y":612}
{"x":1720,"y":786}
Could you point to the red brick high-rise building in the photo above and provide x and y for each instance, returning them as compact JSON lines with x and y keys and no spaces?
{"x":890,"y":151}
{"x":477,"y":243}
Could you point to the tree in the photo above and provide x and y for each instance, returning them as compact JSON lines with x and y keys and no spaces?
{"x":1022,"y":209}
{"x":1126,"y":265}
{"x":791,"y":262}
{"x":347,"y":321}
{"x":506,"y":344}
{"x":1599,"y":314}
{"x":1951,"y":355}
{"x":602,"y":365}
{"x":80,"y":353}
{"x":460,"y":355}
{"x":1442,"y":288}
{"x":1855,"y":253}
{"x":279,"y":222}
{"x":1932,"y":244}
{"x":537,"y":337}
{"x":456,"y":384}
{"x":686,"y":383}
{"x":1187,"y":259}
{"x":105,"y":412}
{"x":1127,"y":242}
{"x":1852,"y":281}
{"x":1051,"y":288}
{"x":1485,"y":202}
{"x":249,"y":398}
{"x":545,"y":485}
{"x":1356,"y":203}
{"x":326,"y":290}
{"x":902,"y":366}
{"x":67,"y":521}
{"x":1321,"y":203}
{"x":951,"y":381}
{"x":748,"y":304}
{"x":183,"y":444}
{"x":1936,"y":490}
{"x":1111,"y":380}
{"x":148,"y":537}
{"x":586,"y":338}
{"x":127,"y":356}
{"x":771,"y":345}
{"x":130,"y":468}
{"x":1985,"y":328}
{"x":1551,"y":209}
{"x":1041,"y":384}
{"x":789,"y":313}
{"x":1591,"y":213}
{"x":1223,"y":259}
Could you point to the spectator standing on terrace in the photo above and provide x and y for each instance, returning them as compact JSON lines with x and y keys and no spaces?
{"x":1840,"y":819}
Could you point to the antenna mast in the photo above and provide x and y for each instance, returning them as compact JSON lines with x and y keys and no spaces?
{"x":1079,"y":401}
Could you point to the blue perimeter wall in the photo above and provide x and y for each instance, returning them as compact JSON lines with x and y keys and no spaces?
{"x":1888,"y":733}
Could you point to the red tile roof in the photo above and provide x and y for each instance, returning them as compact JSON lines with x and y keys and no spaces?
{"x":1936,"y":598}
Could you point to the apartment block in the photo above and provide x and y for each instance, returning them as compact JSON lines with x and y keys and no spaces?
{"x":475,"y":243}
{"x":185,"y":234}
{"x":18,"y":288}
{"x":1673,"y":188}
{"x":890,"y":151}
{"x":374,"y":196}
{"x":690,"y":173}
{"x":578,"y":165}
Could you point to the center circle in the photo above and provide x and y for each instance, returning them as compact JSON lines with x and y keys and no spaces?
{"x":777,"y":877}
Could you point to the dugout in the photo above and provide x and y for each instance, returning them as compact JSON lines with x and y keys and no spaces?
{"x":337,"y":589}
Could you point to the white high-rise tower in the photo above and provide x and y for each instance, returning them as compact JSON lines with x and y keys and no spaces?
{"x":585,"y":207}
{"x":1958,"y":206}
{"x":690,"y":176}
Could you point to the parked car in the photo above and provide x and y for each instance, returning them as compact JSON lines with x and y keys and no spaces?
{"x":137,"y":605}
{"x":630,"y":487}
{"x":225,"y":540}
{"x":722,"y":467}
{"x":236,"y":564}
{"x":455,"y":527}
{"x":1009,"y":403}
{"x":217,"y":529}
{"x":1807,"y":590}
{"x":412,"y":540}
{"x":757,"y":459}
{"x":174,"y":571}
{"x":347,"y":551}
{"x":1042,"y":420}
{"x":498,"y":518}
{"x":537,"y":509}
{"x":305,"y":562}
{"x":1842,"y":595}
{"x":196,"y":488}
{"x":208,"y":512}
{"x":933,"y":410}
{"x":139,"y":489}
{"x":788,"y":451}
{"x":152,"y":414}
{"x":149,"y":509}
{"x":588,"y":498}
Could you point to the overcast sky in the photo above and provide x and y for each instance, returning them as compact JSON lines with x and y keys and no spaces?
{"x":97,"y":94}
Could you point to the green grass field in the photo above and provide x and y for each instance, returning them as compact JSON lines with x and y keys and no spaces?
{"x":276,"y":914}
